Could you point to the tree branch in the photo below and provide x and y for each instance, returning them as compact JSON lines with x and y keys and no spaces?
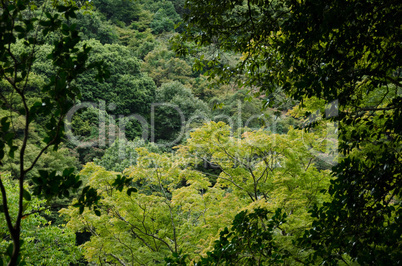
{"x":136,"y":227}
{"x":5,"y":206}
{"x":116,"y":258}
{"x":170,"y":210}
{"x":47,"y":146}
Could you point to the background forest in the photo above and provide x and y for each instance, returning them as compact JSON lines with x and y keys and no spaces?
{"x":189,"y":140}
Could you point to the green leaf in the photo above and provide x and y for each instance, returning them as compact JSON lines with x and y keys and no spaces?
{"x":68,"y":171}
{"x":43,"y":173}
{"x":10,"y":7}
{"x":9,"y":250}
{"x":12,"y":150}
{"x":19,"y":29}
{"x":131,"y":190}
{"x":26,"y":195}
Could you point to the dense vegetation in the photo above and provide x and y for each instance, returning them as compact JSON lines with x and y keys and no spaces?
{"x":200,"y":132}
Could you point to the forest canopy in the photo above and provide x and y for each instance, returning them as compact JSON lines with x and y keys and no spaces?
{"x":171,"y":132}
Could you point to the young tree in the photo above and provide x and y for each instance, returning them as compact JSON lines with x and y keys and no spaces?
{"x":162,"y":217}
{"x":20,"y":22}
{"x":44,"y":243}
{"x":177,"y":209}
{"x":266,"y":170}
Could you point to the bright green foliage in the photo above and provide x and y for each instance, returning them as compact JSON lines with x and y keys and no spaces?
{"x":40,"y":79}
{"x":157,"y":220}
{"x":253,"y":163}
{"x":267,"y":170}
{"x":250,"y":241}
{"x":44,"y":243}
{"x":168,"y":206}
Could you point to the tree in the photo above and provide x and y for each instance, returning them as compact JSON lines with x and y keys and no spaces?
{"x":178,"y":106}
{"x":44,"y":243}
{"x":91,"y":26}
{"x":125,"y":93}
{"x":122,"y":154}
{"x":120,"y":11}
{"x":266,"y":170}
{"x":344,"y":51}
{"x":178,"y":209}
{"x":19,"y":23}
{"x":161,"y":218}
{"x":127,"y":88}
{"x":165,"y":16}
{"x":163,"y":67}
{"x":251,"y":241}
{"x":242,"y":110}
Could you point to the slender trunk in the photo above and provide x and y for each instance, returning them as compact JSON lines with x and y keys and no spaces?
{"x":16,"y":249}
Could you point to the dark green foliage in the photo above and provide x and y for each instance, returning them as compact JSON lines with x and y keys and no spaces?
{"x":50,"y":159}
{"x":165,"y":16}
{"x":241,"y":110}
{"x":125,"y":93}
{"x":121,"y":182}
{"x":122,"y":154}
{"x":145,"y":18}
{"x":167,"y":6}
{"x":88,"y":198}
{"x":129,"y":91}
{"x":250,"y":241}
{"x":161,"y":22}
{"x":177,"y":259}
{"x":346,"y":51}
{"x":163,"y":66}
{"x":119,"y":10}
{"x":91,"y":26}
{"x":51,"y":184}
{"x":179,"y":6}
{"x":58,"y":94}
{"x":179,"y":106}
{"x":89,"y":154}
{"x":368,"y":189}
{"x":145,"y":48}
